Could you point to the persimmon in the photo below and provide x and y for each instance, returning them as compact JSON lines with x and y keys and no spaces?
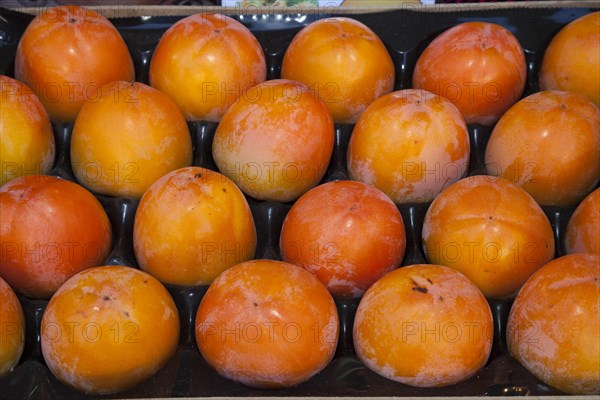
{"x":425,"y":326}
{"x":109,"y":328}
{"x":572,"y":59}
{"x":549,"y":144}
{"x":276,"y":141}
{"x":554,"y":324}
{"x":129,"y":137}
{"x":50,"y":229}
{"x":583,"y":230}
{"x":26,"y":139}
{"x":191,"y":225}
{"x":205,"y":62}
{"x":65,"y":56}
{"x":491,"y":230}
{"x":12,"y":329}
{"x":342,"y":60}
{"x":346,"y":233}
{"x":478,"y":66}
{"x":410,"y":144}
{"x":267,"y":324}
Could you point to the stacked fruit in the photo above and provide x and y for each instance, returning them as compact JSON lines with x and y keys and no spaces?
{"x":269,"y":320}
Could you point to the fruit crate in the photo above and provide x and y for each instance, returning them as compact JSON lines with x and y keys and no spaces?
{"x":406,"y":29}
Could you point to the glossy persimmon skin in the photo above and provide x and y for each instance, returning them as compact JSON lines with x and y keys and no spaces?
{"x":491,"y":230}
{"x":26,"y":139}
{"x":346,"y":233}
{"x":50,"y":229}
{"x":479,"y":66}
{"x":425,"y":326}
{"x":549,"y":144}
{"x":572,"y":59}
{"x":205,"y":62}
{"x":128,"y":138}
{"x":554,"y":324}
{"x":65,"y":56}
{"x":583,"y":230}
{"x":410,"y":144}
{"x":275,"y":142}
{"x":109,"y":328}
{"x":191,"y":225}
{"x":267,"y":324}
{"x":344,"y":61}
{"x":12,"y":325}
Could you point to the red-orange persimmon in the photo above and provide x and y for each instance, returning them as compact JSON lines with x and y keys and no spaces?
{"x":344,"y":61}
{"x":424,"y":325}
{"x":479,"y":66}
{"x":549,"y":144}
{"x":50,"y":229}
{"x":554,"y":324}
{"x":572,"y":59}
{"x":205,"y":62}
{"x":267,"y":324}
{"x":66,"y":54}
{"x":347,"y":233}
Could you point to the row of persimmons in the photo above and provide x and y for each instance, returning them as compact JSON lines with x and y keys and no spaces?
{"x":268,"y":323}
{"x":275,"y":138}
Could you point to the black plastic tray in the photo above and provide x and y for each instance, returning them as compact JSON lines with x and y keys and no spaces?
{"x":405,"y":32}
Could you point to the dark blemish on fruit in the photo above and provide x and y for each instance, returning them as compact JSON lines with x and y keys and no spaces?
{"x":145,"y":280}
{"x":127,"y":314}
{"x":224,"y":190}
{"x":417,"y":288}
{"x":217,"y":31}
{"x":198,"y":175}
{"x":429,"y":280}
{"x":353,"y":207}
{"x":255,"y":304}
{"x":441,"y":298}
{"x":563,"y":106}
{"x":106,"y":298}
{"x":490,"y":218}
{"x":72,"y":20}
